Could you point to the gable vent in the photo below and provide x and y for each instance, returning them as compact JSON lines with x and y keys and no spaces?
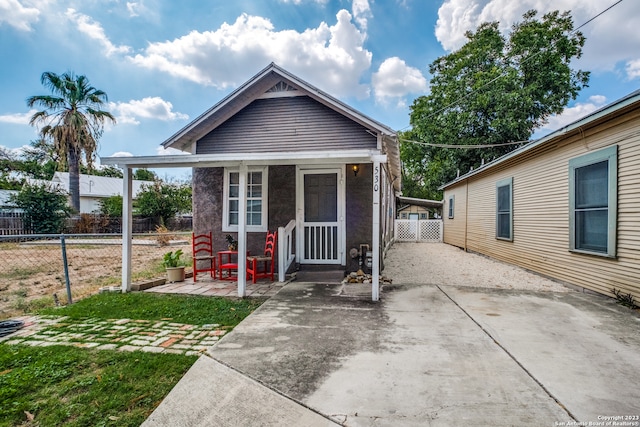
{"x":281,"y":87}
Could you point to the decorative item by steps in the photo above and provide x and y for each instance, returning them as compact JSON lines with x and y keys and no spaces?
{"x":174,"y":265}
{"x":232,"y":243}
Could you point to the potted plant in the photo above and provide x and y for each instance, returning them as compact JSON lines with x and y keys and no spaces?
{"x":174,"y":265}
{"x":232,"y":243}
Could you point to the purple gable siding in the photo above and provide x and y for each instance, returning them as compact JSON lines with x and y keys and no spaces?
{"x":286,"y":124}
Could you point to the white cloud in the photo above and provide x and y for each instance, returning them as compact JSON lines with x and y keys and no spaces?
{"x":611,"y":38}
{"x":395,"y":79}
{"x":147,"y":108}
{"x":571,"y":114}
{"x":13,"y":13}
{"x":121,"y":154}
{"x":633,"y":69}
{"x":95,"y":31}
{"x":14,"y":152}
{"x":161,"y":151}
{"x":17,"y":118}
{"x":361,"y":12}
{"x":331,"y":57}
{"x":134,"y":8}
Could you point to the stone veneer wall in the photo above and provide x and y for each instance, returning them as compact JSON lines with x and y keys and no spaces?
{"x":207,"y":204}
{"x":359,"y":206}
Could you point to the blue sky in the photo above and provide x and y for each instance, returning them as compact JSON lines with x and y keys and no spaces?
{"x":163,"y":63}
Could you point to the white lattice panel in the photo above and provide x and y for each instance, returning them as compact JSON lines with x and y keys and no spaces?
{"x":408,"y":230}
{"x":430,"y":231}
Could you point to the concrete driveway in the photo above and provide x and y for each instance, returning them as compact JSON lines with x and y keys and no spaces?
{"x":425,"y":355}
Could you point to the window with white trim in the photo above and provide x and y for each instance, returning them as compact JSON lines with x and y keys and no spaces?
{"x":452,"y":200}
{"x":593,"y":199}
{"x":256,"y":199}
{"x":504,"y":209}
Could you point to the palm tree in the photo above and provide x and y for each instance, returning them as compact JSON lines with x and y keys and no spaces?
{"x":72,"y":118}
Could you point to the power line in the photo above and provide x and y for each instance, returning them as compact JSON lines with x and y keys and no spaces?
{"x":524,"y":61}
{"x":615,"y":4}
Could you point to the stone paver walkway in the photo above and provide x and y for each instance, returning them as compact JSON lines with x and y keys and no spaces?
{"x":117,"y":334}
{"x":210,"y":287}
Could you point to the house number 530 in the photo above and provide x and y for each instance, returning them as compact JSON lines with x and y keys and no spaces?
{"x":376,"y":179}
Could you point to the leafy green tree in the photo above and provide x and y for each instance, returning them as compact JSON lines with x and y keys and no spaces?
{"x":164,"y":201}
{"x":111,"y":206}
{"x":39,"y":160}
{"x":8,"y":181}
{"x":45,"y":208}
{"x":36,"y":161}
{"x":493,"y":90}
{"x":73,"y":120}
{"x":108,"y":171}
{"x":145,"y":175}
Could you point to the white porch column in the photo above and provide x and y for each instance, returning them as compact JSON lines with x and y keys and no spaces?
{"x":127,"y":221}
{"x":242,"y":231}
{"x":375,"y":238}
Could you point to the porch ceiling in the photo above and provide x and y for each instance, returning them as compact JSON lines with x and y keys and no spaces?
{"x":234,"y":159}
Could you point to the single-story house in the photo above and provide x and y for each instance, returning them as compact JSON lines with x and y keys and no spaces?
{"x":93,"y":189}
{"x":566,"y":205}
{"x":414,"y":208}
{"x":280,"y":154}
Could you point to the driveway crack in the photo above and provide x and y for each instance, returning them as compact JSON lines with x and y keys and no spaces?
{"x":509,"y":354}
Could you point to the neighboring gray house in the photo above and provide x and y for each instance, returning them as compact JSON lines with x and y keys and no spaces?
{"x":5,"y":205}
{"x":93,"y":188}
{"x":278,"y":152}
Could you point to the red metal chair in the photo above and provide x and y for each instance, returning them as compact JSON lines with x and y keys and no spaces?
{"x":203,"y":252}
{"x":263,"y":265}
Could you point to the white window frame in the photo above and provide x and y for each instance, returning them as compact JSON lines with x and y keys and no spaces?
{"x":264,"y":198}
{"x":507,"y":182}
{"x":609,"y":154}
{"x":451,"y":206}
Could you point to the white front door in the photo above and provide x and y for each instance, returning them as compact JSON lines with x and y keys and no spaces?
{"x":320,"y":216}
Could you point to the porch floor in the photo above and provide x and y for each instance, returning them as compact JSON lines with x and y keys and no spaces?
{"x":222,"y":288}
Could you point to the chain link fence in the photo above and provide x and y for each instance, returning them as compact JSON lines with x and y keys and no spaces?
{"x":12,"y":223}
{"x":32,"y":271}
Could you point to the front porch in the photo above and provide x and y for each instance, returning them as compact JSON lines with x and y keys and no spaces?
{"x":206,"y":286}
{"x":278,"y":150}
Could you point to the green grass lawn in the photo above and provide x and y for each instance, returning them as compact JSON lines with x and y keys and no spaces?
{"x":191,"y":309}
{"x":62,"y":385}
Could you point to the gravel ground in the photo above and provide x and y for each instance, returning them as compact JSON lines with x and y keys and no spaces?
{"x":442,"y":264}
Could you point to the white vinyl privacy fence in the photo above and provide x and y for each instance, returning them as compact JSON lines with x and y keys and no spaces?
{"x":424,"y":230}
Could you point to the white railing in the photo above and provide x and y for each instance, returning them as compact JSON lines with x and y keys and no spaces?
{"x":320,"y":240}
{"x":286,"y":254}
{"x":425,"y":230}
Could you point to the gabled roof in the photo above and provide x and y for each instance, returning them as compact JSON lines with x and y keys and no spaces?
{"x":262,"y":83}
{"x":250,"y":91}
{"x":604,"y":114}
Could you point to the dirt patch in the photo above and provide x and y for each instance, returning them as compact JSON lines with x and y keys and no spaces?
{"x":31,"y":274}
{"x":442,"y":264}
